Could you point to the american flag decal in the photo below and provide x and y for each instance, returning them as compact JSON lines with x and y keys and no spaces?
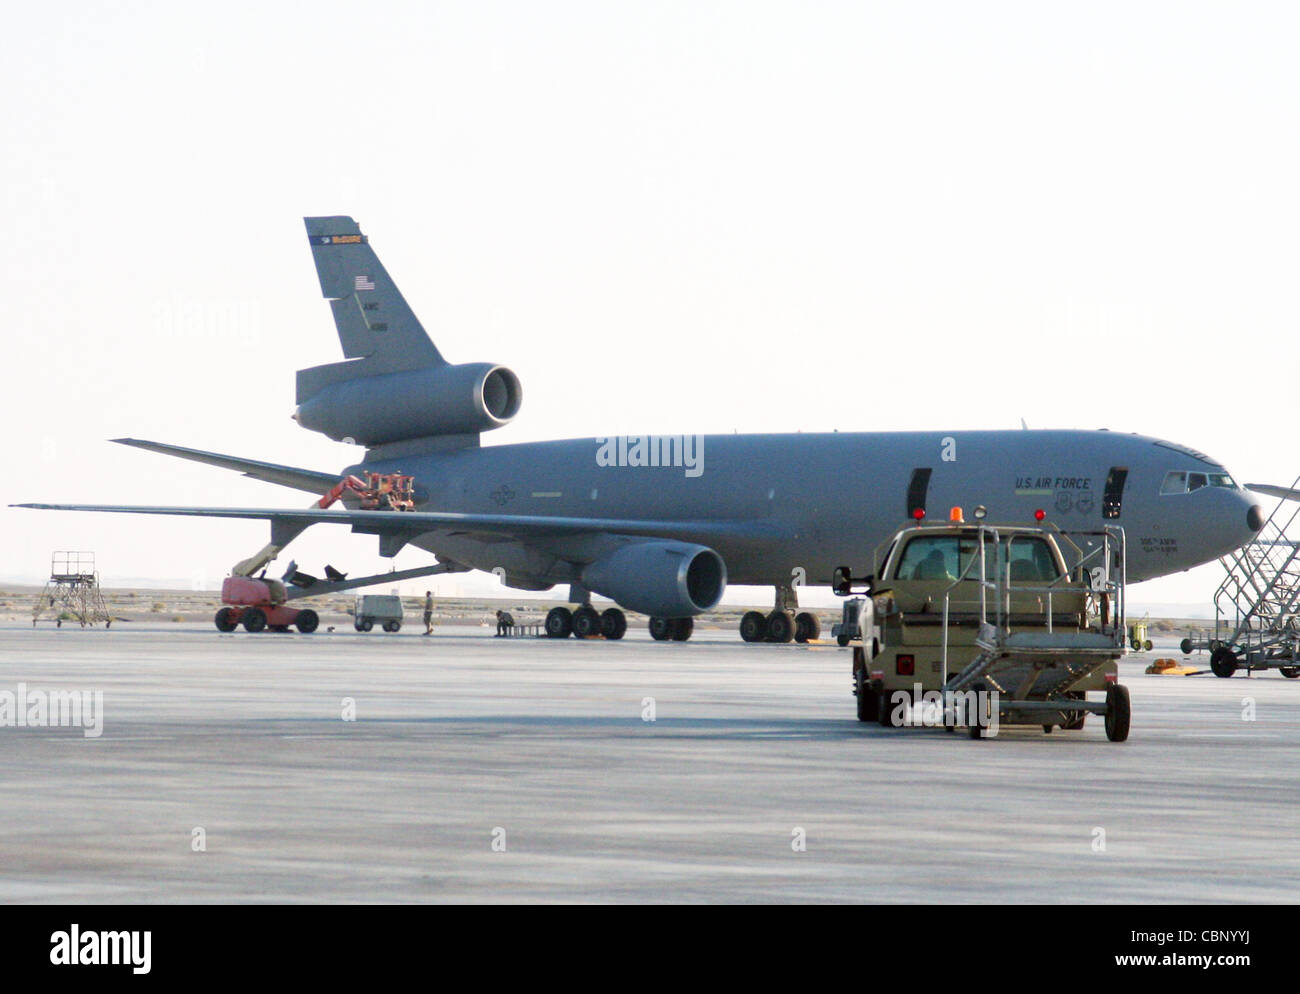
{"x":363,"y":283}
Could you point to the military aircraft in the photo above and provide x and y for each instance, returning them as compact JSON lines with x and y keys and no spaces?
{"x":660,"y":524}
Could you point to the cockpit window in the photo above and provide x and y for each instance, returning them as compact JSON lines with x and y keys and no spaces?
{"x":1180,"y":482}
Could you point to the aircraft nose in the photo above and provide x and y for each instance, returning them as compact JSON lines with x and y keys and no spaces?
{"x":1255,"y":518}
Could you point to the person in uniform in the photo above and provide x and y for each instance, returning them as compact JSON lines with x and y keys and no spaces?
{"x":428,"y":612}
{"x":505,"y":622}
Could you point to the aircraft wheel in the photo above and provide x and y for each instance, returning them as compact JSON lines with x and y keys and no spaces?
{"x":226,"y":620}
{"x":1224,"y":662}
{"x":1147,"y":645}
{"x":661,"y":629}
{"x":683,"y":628}
{"x":559,"y":623}
{"x":807,"y":627}
{"x":842,"y":639}
{"x":1118,"y":712}
{"x":613,"y":623}
{"x":780,"y":626}
{"x":753,"y":626}
{"x":307,"y":621}
{"x":254,"y":619}
{"x":1290,"y":672}
{"x":868,"y":707}
{"x":366,"y":625}
{"x":586,"y":622}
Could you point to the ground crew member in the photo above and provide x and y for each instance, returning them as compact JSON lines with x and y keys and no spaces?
{"x":505,"y":622}
{"x":428,"y":612}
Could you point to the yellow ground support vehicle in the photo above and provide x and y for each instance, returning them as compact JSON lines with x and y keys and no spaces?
{"x":984,"y":625}
{"x":1138,"y":640}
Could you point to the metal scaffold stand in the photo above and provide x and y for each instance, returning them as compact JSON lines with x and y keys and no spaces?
{"x":72,"y":592}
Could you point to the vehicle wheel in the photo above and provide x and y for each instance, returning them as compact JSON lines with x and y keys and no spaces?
{"x":559,"y":623}
{"x":307,"y":621}
{"x":1290,"y":672}
{"x":753,"y":626}
{"x":1118,"y":712}
{"x":356,"y":625}
{"x":868,"y":708}
{"x":366,"y":625}
{"x":1186,"y":646}
{"x":254,"y":619}
{"x":842,"y":639}
{"x":391,"y":626}
{"x":1224,"y":662}
{"x":975,"y":730}
{"x":586,"y":622}
{"x":613,"y":623}
{"x":226,"y":620}
{"x":1147,"y":645}
{"x":397,"y":627}
{"x":1047,"y":729}
{"x":661,"y":629}
{"x":780,"y":626}
{"x":807,"y":627}
{"x":683,"y":628}
{"x":884,"y":710}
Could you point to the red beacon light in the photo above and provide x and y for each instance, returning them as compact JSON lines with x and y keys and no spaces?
{"x":919,"y":514}
{"x":1040,"y":514}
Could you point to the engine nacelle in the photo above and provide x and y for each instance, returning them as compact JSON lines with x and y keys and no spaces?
{"x":659,"y":577}
{"x":417,"y":403}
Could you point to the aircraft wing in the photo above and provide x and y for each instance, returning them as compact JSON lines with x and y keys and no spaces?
{"x":286,"y":476}
{"x":1285,"y":493}
{"x":417,"y":522}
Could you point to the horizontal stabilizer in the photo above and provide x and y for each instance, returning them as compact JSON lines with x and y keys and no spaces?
{"x":285,"y":476}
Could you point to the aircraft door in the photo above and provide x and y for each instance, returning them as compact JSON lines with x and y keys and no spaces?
{"x":918,"y":488}
{"x":1112,"y":500}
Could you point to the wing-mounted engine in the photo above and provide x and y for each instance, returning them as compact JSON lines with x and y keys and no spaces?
{"x":659,"y":577}
{"x":395,"y":386}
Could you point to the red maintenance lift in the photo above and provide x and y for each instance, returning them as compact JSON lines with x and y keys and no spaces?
{"x":260,"y":604}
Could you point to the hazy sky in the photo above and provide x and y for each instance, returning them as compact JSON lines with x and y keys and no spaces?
{"x":665,"y":217}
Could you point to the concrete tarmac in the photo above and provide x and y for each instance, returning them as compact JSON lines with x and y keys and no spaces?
{"x":461,"y":741}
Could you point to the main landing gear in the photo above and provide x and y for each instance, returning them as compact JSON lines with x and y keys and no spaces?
{"x":786,"y":623}
{"x":586,"y":622}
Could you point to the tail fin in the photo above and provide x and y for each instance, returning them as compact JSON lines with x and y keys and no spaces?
{"x":377,"y":328}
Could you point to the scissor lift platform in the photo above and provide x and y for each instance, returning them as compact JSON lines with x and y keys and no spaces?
{"x":1032,"y":673}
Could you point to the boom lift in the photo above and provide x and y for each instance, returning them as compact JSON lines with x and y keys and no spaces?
{"x":260,"y":604}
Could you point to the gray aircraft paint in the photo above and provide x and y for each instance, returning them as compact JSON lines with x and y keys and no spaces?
{"x":775,"y":507}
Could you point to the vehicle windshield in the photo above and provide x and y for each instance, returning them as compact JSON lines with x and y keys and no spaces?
{"x":945,"y":557}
